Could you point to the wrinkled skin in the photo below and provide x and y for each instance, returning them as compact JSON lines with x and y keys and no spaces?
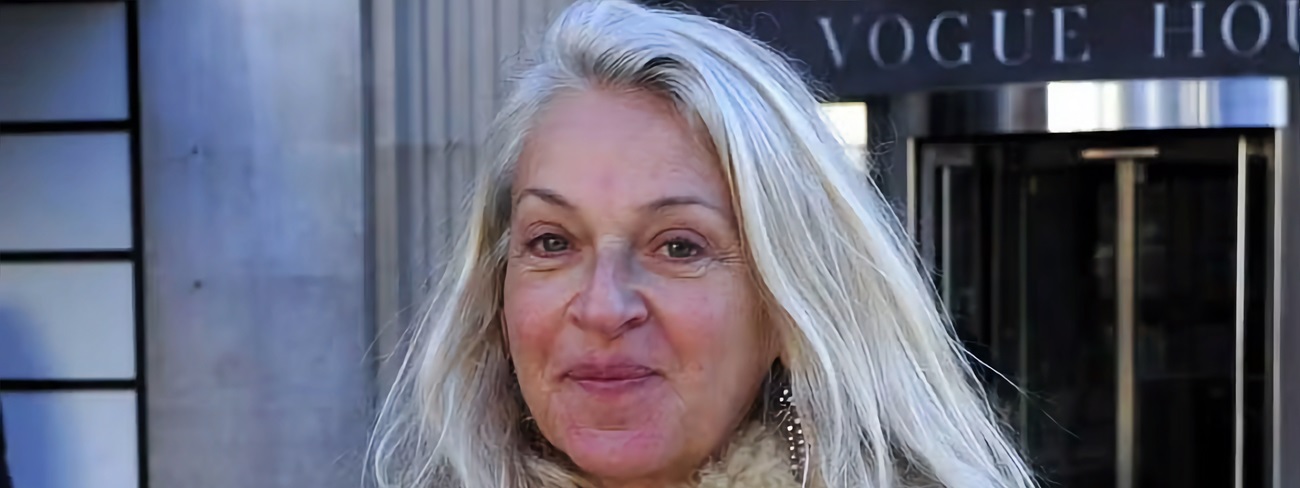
{"x":630,"y":311}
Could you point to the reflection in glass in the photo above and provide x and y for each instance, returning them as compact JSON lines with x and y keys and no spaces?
{"x":1026,"y":265}
{"x":1186,"y":354}
{"x":1067,"y":271}
{"x":1024,"y":243}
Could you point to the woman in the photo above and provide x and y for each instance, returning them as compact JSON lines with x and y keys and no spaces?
{"x":673,"y":275}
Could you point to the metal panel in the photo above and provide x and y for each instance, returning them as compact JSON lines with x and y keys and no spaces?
{"x":1286,"y":310}
{"x":507,"y":25}
{"x":65,"y":192}
{"x":382,"y":220}
{"x":467,"y":40}
{"x":43,"y":338}
{"x":1125,"y":321}
{"x":62,"y":62}
{"x":1239,"y":363}
{"x":439,"y":68}
{"x":1063,"y":107}
{"x":72,"y":439}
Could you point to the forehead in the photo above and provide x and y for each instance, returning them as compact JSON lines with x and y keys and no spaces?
{"x":609,"y":146}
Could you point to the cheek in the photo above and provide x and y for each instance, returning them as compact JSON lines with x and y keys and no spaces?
{"x":533,"y":314}
{"x":714,"y":327}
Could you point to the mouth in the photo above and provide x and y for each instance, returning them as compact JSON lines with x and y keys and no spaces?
{"x":611,"y":379}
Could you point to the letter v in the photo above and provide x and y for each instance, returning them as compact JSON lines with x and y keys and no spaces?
{"x":832,"y":41}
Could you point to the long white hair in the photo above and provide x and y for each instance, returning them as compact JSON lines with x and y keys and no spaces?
{"x":885,"y":395}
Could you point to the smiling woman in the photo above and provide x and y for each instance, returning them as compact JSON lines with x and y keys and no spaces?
{"x":629,"y":308}
{"x":675,"y":276}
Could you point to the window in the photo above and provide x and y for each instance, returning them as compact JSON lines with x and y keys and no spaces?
{"x":70,"y":261}
{"x":849,"y":120}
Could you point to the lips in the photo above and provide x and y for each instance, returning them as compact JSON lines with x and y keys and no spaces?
{"x":611,"y":372}
{"x":610,"y":379}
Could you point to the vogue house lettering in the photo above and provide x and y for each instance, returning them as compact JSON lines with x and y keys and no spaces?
{"x":1059,"y":35}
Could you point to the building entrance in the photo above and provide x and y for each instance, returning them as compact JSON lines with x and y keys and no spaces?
{"x":1119,"y":285}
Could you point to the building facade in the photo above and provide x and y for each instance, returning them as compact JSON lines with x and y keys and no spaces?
{"x":183,"y":247}
{"x":216,"y":216}
{"x":71,"y":264}
{"x":1107,"y":194}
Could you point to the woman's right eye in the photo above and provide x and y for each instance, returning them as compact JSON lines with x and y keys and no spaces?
{"x":549,"y":244}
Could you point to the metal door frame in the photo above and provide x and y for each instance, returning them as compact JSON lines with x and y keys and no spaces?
{"x":1238,"y":102}
{"x":1128,"y":164}
{"x":930,"y":174}
{"x":1285,"y":347}
{"x":1126,"y":171}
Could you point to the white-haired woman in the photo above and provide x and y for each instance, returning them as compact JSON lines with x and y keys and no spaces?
{"x":674,"y":276}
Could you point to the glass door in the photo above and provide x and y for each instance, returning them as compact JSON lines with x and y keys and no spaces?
{"x":1200,"y":317}
{"x":1067,"y":325}
{"x":1120,"y":285}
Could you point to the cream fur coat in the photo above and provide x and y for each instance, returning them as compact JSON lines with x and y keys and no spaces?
{"x":756,"y":458}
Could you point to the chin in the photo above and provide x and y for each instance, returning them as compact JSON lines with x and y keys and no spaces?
{"x":618,"y":454}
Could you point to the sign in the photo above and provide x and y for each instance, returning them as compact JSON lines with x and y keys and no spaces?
{"x":869,"y":47}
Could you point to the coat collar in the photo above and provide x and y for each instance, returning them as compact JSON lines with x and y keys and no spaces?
{"x":756,"y":458}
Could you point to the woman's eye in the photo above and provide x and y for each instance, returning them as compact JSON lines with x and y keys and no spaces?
{"x":681,"y":249}
{"x":550,"y":244}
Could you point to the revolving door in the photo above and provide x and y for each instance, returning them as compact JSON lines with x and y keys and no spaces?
{"x":1118,"y":286}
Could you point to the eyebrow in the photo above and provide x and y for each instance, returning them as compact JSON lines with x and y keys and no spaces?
{"x":548,"y":196}
{"x":677,"y":201}
{"x":553,"y":198}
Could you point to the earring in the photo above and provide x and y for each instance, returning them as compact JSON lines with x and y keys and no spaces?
{"x":791,"y":427}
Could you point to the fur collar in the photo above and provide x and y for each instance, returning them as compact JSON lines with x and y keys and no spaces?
{"x":756,"y":458}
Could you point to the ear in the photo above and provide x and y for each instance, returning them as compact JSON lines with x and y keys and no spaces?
{"x":777,"y":336}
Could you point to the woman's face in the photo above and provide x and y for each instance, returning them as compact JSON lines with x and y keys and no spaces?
{"x":632,"y":320}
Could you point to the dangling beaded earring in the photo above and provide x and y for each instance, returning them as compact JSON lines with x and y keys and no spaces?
{"x":791,"y":427}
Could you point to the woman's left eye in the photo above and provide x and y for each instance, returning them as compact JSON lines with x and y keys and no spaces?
{"x":681,"y":249}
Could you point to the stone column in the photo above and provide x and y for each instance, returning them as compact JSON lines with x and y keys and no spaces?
{"x":255,"y":200}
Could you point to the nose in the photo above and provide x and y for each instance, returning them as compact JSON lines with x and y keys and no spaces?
{"x":609,"y":303}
